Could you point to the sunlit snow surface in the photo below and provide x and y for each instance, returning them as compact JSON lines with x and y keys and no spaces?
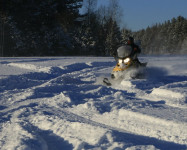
{"x":61,"y":103}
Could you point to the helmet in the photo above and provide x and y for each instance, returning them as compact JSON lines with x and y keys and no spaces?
{"x":130,"y":40}
{"x":124,"y":51}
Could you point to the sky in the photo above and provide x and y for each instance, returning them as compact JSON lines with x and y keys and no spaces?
{"x":139,"y":14}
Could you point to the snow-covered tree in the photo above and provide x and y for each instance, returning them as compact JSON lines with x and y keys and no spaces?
{"x":165,"y":38}
{"x":113,"y":39}
{"x":39,"y":27}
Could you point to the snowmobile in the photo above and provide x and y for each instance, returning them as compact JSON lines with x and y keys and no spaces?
{"x":127,"y":67}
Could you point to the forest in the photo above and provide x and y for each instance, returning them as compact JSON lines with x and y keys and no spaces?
{"x":79,"y":28}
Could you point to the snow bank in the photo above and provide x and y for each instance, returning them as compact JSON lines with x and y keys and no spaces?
{"x":165,"y":93}
{"x":75,"y":132}
{"x":30,"y":67}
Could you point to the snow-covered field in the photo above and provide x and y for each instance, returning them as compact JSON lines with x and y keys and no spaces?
{"x":60,"y":103}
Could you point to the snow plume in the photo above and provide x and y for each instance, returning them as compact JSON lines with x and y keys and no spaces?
{"x":61,"y":103}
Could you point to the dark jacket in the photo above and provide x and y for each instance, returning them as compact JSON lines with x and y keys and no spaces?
{"x":135,"y":49}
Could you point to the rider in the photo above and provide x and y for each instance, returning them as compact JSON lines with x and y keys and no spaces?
{"x":135,"y":49}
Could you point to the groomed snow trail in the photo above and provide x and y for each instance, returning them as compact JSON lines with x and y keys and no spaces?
{"x":60,"y":103}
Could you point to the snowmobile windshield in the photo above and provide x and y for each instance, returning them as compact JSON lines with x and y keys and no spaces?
{"x":124,"y":51}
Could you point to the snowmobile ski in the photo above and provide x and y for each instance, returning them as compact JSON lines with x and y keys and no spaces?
{"x":107,"y":82}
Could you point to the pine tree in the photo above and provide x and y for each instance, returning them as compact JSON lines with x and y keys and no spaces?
{"x":113,"y":39}
{"x":125,"y":33}
{"x":39,"y":27}
{"x":168,"y":37}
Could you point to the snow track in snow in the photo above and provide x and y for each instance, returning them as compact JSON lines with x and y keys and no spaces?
{"x":61,"y":103}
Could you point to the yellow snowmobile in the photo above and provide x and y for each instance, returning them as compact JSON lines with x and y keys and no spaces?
{"x":127,"y":67}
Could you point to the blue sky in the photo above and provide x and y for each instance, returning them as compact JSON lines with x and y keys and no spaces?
{"x":139,"y":14}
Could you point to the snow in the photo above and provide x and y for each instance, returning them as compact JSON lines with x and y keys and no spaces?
{"x":54,"y":103}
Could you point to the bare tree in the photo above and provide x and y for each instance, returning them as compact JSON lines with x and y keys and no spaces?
{"x":115,"y":11}
{"x":102,"y":14}
{"x":89,"y":7}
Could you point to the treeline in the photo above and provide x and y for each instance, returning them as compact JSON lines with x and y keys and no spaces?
{"x":58,"y":28}
{"x":38,"y":28}
{"x":167,"y":38}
